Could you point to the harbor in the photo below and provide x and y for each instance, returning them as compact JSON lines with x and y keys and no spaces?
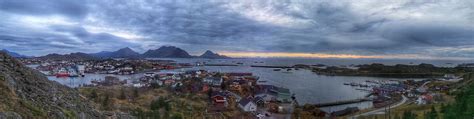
{"x":353,"y":92}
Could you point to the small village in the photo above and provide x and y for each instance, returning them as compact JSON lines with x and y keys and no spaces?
{"x":228,"y":91}
{"x":225,"y":91}
{"x":238,"y":94}
{"x":64,"y":68}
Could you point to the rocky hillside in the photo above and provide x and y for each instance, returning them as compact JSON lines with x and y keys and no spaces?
{"x":29,"y":94}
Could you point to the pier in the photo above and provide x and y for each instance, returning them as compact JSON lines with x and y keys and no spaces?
{"x":220,"y":65}
{"x":265,"y":66}
{"x":342,"y":102}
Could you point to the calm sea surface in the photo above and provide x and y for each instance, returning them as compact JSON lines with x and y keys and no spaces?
{"x":308,"y":86}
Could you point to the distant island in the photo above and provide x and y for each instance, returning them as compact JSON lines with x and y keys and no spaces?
{"x":394,"y":71}
{"x":211,"y":55}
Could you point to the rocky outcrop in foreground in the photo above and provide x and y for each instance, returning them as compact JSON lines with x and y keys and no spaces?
{"x":27,"y":93}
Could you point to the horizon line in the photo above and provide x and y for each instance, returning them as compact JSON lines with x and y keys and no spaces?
{"x":333,"y":56}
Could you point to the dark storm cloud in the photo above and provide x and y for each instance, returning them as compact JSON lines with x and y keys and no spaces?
{"x":72,"y":8}
{"x":185,"y":22}
{"x":429,"y":34}
{"x":66,"y":39}
{"x":365,"y":27}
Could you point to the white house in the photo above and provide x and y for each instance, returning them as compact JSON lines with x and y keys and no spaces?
{"x":247,"y":105}
{"x":138,"y":85}
{"x":214,"y":81}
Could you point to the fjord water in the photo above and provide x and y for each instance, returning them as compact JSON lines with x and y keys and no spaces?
{"x":308,"y":86}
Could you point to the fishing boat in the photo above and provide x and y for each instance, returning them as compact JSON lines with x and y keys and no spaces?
{"x":276,"y":69}
{"x":62,"y":73}
{"x":363,"y":85}
{"x":354,"y":84}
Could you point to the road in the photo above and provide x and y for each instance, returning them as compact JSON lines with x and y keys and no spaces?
{"x":424,"y":84}
{"x":404,"y":99}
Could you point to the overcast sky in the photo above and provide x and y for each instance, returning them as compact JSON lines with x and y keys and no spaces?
{"x":424,"y":28}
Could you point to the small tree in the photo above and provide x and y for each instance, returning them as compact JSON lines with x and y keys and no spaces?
{"x":223,"y":85}
{"x":106,"y":102}
{"x":408,"y":115}
{"x":177,"y":116}
{"x":209,"y":93}
{"x":93,"y":95}
{"x":122,"y":96}
{"x":433,"y":114}
{"x":135,"y":93}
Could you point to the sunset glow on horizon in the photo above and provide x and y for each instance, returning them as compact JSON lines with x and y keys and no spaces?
{"x":297,"y":55}
{"x":325,"y":55}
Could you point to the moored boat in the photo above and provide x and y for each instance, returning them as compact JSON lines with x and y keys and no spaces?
{"x":62,"y":74}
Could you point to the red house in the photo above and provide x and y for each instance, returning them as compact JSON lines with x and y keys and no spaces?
{"x":218,"y":98}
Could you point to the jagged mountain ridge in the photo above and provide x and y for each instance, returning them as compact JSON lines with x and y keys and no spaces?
{"x":167,"y":52}
{"x":162,"y":52}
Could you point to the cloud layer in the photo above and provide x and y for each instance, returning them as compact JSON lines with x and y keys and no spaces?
{"x":437,"y":28}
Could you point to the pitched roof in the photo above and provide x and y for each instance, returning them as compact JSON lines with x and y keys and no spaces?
{"x":217,"y":93}
{"x":244,"y":101}
{"x":257,"y":99}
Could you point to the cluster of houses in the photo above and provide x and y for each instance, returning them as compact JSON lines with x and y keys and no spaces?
{"x":61,"y":68}
{"x":247,"y":93}
{"x":418,"y":91}
{"x":223,"y":89}
{"x":109,"y":81}
{"x":109,"y":66}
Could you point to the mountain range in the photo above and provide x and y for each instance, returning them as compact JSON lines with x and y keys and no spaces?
{"x":14,"y":54}
{"x":162,"y":52}
{"x":121,"y":53}
{"x":72,"y":56}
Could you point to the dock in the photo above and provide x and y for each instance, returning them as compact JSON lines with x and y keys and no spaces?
{"x":342,"y":102}
{"x":268,"y":66}
{"x":220,"y":65}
